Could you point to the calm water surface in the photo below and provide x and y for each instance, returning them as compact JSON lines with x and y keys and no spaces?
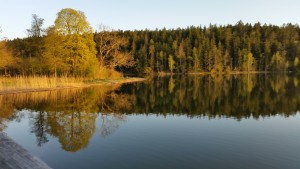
{"x":171,"y":122}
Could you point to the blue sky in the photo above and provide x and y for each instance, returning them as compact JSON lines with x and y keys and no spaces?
{"x":15,"y":15}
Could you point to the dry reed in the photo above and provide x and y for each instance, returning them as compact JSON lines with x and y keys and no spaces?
{"x":38,"y":82}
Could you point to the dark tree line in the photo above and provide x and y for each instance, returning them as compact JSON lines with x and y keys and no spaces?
{"x":239,"y":47}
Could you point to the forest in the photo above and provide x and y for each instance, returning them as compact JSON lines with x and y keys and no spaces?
{"x":240,"y":47}
{"x":72,"y":48}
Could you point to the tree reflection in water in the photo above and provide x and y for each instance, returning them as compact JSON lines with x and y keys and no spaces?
{"x":110,"y":123}
{"x":71,"y":115}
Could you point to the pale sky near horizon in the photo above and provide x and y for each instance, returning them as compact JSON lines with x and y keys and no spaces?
{"x":15,"y":15}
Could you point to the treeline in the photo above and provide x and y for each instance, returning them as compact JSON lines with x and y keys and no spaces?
{"x":68,"y":48}
{"x":71,"y":48}
{"x":240,"y":47}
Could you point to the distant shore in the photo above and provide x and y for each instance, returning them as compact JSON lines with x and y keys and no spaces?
{"x":84,"y":84}
{"x":221,"y":73}
{"x":231,"y":73}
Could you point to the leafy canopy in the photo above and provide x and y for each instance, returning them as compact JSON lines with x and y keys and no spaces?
{"x":70,"y":21}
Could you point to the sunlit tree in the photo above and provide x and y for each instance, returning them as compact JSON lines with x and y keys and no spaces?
{"x":110,"y":48}
{"x":72,"y":39}
{"x":171,"y":63}
{"x":279,"y":62}
{"x":6,"y":58}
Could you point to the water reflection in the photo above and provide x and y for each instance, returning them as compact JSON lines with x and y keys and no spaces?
{"x":71,"y":115}
{"x":239,"y":96}
{"x":110,"y":123}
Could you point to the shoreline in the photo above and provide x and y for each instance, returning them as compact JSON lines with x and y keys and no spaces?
{"x":161,"y":74}
{"x":231,"y":73}
{"x":101,"y":82}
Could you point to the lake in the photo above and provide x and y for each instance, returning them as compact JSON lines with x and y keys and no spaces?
{"x":218,"y":121}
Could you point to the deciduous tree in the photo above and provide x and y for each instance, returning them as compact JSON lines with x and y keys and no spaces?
{"x":171,"y":63}
{"x":111,"y":49}
{"x":73,"y":43}
{"x":36,"y":29}
{"x":6,"y":58}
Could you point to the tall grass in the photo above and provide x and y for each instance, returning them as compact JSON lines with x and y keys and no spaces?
{"x":104,"y":73}
{"x":34,"y":82}
{"x":104,"y":76}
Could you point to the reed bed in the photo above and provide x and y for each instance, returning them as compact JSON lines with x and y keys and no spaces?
{"x":38,"y":82}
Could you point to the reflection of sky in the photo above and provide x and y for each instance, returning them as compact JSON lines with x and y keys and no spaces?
{"x":177,"y":142}
{"x":136,"y":14}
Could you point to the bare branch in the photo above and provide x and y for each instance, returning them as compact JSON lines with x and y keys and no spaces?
{"x":36,"y":29}
{"x":110,"y":48}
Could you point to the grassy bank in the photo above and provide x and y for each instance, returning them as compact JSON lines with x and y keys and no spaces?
{"x":43,"y":83}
